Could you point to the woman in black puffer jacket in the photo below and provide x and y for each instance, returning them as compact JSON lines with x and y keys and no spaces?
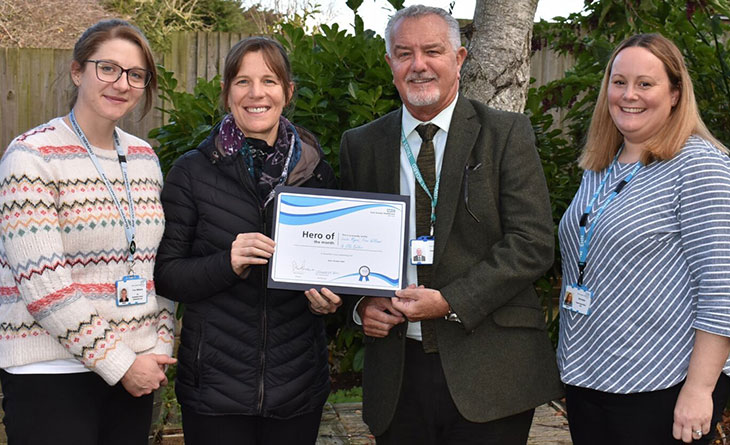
{"x":252,"y":361}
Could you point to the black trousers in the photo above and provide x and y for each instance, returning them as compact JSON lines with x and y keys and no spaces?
{"x":200,"y":429}
{"x":426,"y":413}
{"x":598,"y":418}
{"x":72,"y":409}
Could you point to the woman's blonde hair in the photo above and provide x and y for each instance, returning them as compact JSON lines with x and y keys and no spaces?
{"x":604,"y":138}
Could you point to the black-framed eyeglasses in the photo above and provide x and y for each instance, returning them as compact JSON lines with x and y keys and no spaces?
{"x":110,"y":72}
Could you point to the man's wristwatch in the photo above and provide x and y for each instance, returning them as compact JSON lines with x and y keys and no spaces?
{"x":451,"y":316}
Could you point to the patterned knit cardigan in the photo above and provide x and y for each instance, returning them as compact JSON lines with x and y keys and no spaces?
{"x":62,"y":247}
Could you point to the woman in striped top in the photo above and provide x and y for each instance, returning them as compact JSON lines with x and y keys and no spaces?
{"x":646,"y":260}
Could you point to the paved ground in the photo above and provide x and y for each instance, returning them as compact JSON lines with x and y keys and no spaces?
{"x":549,"y":426}
{"x":342,"y":425}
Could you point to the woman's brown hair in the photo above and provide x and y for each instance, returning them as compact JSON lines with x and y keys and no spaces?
{"x":104,"y":31}
{"x":274,"y":55}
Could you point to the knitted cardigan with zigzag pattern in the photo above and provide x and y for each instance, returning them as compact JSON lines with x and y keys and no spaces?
{"x":62,"y":247}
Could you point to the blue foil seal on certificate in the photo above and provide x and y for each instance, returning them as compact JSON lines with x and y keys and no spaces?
{"x":364,"y":272}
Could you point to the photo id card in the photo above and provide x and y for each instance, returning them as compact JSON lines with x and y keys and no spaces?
{"x":577,"y":299}
{"x":421,"y":251}
{"x":131,"y":289}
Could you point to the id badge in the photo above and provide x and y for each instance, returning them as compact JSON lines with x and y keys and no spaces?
{"x":578,"y":299}
{"x":421,"y":251}
{"x":131,"y":290}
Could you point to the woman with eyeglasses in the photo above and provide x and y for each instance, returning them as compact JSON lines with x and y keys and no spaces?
{"x":84,"y":338}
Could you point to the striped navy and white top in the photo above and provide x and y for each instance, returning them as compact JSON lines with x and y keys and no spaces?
{"x":658,"y":266}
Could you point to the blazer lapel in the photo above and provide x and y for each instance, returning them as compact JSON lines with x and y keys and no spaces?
{"x":387,"y":154}
{"x":463,"y":133}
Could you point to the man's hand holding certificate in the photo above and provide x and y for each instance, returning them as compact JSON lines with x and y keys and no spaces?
{"x":349,"y":242}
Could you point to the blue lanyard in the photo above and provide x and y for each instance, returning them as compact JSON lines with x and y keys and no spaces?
{"x":586,"y":235}
{"x":128,"y":223}
{"x":419,"y":178}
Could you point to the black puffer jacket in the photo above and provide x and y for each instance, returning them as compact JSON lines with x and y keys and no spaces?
{"x":244,"y":349}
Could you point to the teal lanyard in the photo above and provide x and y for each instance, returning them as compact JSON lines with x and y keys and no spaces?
{"x":419,"y":178}
{"x":128,"y":223}
{"x":586,"y":235}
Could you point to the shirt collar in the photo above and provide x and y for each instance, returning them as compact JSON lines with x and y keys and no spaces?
{"x":442,"y":120}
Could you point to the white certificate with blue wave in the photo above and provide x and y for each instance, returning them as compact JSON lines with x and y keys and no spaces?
{"x":350,"y":242}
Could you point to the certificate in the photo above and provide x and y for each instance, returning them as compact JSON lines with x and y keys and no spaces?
{"x":349,"y":242}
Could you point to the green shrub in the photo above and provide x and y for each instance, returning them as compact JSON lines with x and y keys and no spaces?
{"x":342,"y":81}
{"x":190,"y":116}
{"x":563,"y":176}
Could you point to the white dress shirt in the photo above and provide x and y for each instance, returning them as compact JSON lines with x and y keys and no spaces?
{"x":408,"y":183}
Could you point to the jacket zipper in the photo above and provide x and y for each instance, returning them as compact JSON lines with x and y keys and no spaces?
{"x":246,"y":181}
{"x":262,"y":215}
{"x":196,"y":365}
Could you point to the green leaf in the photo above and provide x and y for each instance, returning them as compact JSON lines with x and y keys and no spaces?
{"x":397,"y":4}
{"x":358,"y":361}
{"x":352,"y":89}
{"x":354,"y":4}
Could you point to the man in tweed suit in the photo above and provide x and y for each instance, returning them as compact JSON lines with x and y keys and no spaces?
{"x":473,"y":359}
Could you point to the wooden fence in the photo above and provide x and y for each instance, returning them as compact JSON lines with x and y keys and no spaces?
{"x":35,"y":84}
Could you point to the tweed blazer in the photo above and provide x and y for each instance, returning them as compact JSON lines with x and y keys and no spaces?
{"x":494,"y":238}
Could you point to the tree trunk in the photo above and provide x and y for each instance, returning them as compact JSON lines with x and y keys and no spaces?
{"x":497,"y":70}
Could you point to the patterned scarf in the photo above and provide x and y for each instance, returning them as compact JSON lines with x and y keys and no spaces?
{"x":268,"y":166}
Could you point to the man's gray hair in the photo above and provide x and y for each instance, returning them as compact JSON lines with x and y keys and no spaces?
{"x":416,"y":11}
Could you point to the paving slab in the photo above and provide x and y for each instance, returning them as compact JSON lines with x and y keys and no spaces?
{"x":549,"y":426}
{"x":342,"y":425}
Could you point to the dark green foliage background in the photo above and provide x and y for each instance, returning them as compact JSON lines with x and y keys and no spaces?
{"x":342,"y":81}
{"x":190,"y":116}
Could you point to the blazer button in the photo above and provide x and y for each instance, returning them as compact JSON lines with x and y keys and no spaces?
{"x":400,"y":335}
